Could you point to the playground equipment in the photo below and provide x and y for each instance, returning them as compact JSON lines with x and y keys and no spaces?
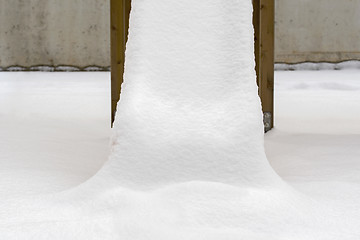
{"x":263,"y":20}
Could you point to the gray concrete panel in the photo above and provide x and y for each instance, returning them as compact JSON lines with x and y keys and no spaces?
{"x":54,"y":32}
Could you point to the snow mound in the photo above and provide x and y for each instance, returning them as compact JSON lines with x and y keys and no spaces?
{"x":187,"y":157}
{"x":189,"y":109}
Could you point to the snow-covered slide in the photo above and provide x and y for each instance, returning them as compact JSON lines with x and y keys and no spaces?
{"x":187,"y":159}
{"x":189,"y":108}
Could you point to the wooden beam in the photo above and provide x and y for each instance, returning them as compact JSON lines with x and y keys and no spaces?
{"x":264,"y":19}
{"x":119,"y":15}
{"x":267,"y":21}
{"x":256,"y":23}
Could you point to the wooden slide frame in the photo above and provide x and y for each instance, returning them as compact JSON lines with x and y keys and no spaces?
{"x":263,"y":20}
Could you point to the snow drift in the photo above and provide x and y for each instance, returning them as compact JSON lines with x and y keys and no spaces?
{"x":187,"y":157}
{"x":189,"y":109}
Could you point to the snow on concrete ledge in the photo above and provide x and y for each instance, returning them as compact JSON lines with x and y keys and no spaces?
{"x":352,"y":64}
{"x":61,"y":68}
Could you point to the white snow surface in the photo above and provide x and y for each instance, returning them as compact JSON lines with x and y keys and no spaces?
{"x":187,"y":157}
{"x":53,"y":127}
{"x":189,"y":110}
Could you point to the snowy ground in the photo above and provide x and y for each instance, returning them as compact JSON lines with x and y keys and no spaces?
{"x":55,"y":126}
{"x":316,"y":143}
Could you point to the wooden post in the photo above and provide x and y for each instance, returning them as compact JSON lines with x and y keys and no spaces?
{"x":263,"y":19}
{"x":256,"y":23}
{"x":119,"y":14}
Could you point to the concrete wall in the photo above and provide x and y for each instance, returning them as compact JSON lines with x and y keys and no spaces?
{"x":54,"y":32}
{"x":76,"y":32}
{"x":317,"y":30}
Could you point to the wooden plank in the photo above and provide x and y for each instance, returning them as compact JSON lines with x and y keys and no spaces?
{"x":266,"y":67}
{"x":256,"y":23}
{"x":119,"y":14}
